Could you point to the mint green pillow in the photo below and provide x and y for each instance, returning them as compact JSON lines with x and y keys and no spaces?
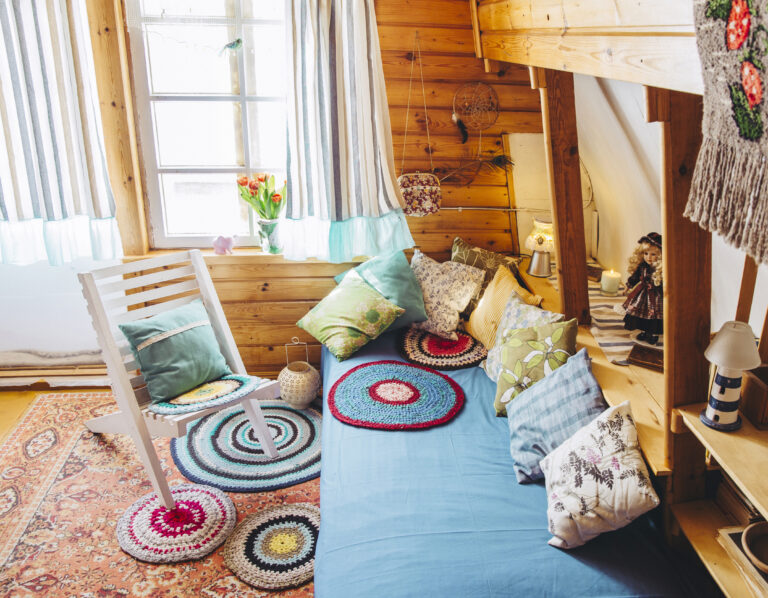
{"x":176,"y":350}
{"x":351,"y":315}
{"x":391,"y":275}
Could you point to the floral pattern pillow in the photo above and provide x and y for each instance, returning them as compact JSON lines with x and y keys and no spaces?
{"x":597,"y":480}
{"x":489,"y":261}
{"x":529,"y":354}
{"x":447,"y":288}
{"x":517,"y":314}
{"x":350,"y":316}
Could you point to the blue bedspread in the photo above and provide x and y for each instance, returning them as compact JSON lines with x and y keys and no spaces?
{"x":438,"y":512}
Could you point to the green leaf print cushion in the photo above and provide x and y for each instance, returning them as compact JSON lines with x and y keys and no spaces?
{"x":529,"y":354}
{"x":351,"y":315}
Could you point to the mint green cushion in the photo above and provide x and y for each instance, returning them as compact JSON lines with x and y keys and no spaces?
{"x":350,"y":316}
{"x":391,"y":275}
{"x":181,"y":361}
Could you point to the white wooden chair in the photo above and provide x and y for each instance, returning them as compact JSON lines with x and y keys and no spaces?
{"x":159,"y":281}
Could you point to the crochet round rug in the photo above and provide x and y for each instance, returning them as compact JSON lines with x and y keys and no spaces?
{"x":424,"y":348}
{"x":392,"y":395}
{"x":210,"y":394}
{"x":202,"y":519}
{"x":275,"y":549}
{"x":221,"y":449}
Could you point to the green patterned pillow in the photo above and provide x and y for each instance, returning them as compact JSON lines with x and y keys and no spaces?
{"x":529,"y":354}
{"x":351,"y":315}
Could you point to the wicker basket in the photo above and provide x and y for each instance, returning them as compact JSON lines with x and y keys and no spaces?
{"x":299,"y":383}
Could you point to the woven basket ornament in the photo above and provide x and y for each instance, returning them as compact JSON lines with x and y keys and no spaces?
{"x":299,"y":381}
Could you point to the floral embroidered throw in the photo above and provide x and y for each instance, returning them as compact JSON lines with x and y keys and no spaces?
{"x":729,"y":193}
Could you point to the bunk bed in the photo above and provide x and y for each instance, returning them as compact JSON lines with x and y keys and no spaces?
{"x":652,"y":43}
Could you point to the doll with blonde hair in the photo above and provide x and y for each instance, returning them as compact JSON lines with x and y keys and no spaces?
{"x":644,"y":304}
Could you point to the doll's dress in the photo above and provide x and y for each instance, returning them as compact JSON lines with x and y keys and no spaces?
{"x":644,"y":305}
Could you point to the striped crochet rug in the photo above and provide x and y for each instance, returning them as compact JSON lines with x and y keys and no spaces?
{"x":607,"y":325}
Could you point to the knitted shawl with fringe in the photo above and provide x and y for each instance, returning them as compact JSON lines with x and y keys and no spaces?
{"x":729,"y":193}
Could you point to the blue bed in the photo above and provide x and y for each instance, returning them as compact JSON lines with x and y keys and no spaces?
{"x":438,"y":512}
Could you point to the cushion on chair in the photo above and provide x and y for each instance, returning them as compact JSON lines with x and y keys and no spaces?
{"x":223,"y":391}
{"x":176,"y":350}
{"x":351,"y":315}
{"x":391,"y":275}
{"x":544,"y":416}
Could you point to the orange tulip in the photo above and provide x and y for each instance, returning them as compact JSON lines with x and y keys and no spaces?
{"x":261,"y":177}
{"x":277,"y":198}
{"x":243,"y":181}
{"x":254,"y":185}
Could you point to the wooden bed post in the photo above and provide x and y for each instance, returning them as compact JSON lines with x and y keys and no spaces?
{"x":687,"y":254}
{"x":558,"y":114}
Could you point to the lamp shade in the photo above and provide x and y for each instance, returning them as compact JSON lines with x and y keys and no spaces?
{"x":734,"y":347}
{"x":542,"y":237}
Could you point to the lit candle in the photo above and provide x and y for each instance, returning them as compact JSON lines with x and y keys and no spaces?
{"x":610,"y":282}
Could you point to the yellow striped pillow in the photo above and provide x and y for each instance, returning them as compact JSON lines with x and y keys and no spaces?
{"x":485,"y":318}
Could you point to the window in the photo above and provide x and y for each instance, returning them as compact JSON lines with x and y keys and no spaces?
{"x":210,"y":100}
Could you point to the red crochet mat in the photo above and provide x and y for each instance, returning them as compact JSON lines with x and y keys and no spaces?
{"x":427,"y":349}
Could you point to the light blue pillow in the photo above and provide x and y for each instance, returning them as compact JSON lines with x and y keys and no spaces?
{"x":391,"y":275}
{"x":548,"y":413}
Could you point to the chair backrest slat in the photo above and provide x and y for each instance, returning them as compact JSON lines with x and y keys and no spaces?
{"x":141,"y":265}
{"x":145,"y":280}
{"x":145,"y":312}
{"x":152,"y":294}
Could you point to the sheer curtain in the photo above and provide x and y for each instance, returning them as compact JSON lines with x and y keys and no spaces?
{"x":55,"y":199}
{"x":343,"y":198}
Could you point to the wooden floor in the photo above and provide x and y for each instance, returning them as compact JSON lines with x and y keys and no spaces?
{"x":13,"y":404}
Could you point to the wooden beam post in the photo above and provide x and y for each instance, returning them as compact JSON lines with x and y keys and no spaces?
{"x":113,"y":84}
{"x":747,"y":289}
{"x":687,"y":258}
{"x":558,"y":114}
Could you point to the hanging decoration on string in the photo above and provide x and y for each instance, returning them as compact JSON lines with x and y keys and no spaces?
{"x":421,"y":190}
{"x":476,"y":108}
{"x":232,"y":46}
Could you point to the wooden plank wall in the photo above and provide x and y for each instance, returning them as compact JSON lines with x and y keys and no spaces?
{"x":264,"y":296}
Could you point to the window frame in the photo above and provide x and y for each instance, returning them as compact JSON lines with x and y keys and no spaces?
{"x":147,"y":135}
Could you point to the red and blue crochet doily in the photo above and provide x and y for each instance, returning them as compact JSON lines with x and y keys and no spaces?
{"x":424,"y":348}
{"x":392,"y":395}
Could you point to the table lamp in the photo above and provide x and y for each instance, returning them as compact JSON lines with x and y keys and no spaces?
{"x":732,"y":350}
{"x":541,"y":243}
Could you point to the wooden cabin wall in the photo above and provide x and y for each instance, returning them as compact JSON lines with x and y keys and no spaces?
{"x":264,"y":296}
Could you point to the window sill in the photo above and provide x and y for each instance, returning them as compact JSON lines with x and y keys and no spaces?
{"x":238,"y":254}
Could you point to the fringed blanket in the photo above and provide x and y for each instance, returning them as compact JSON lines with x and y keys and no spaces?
{"x":729,"y":194}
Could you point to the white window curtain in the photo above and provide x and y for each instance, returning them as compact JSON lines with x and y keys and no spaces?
{"x":55,"y":199}
{"x":343,"y":198}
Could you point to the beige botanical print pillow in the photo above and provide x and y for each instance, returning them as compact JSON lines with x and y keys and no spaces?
{"x":447,"y":288}
{"x":597,"y":480}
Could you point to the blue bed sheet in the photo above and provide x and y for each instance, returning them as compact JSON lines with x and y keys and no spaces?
{"x":439,"y":512}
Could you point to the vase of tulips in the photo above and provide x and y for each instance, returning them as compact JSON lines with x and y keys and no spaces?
{"x":267,"y":203}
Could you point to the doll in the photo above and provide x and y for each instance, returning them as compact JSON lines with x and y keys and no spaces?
{"x":644,"y":304}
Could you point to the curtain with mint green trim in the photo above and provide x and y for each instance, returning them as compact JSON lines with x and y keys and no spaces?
{"x":343,"y":198}
{"x":56,"y":203}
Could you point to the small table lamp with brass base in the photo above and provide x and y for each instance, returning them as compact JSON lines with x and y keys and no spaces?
{"x":541,"y":243}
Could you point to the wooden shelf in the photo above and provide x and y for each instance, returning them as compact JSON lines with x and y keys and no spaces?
{"x":643,"y":388}
{"x":742,"y":454}
{"x":700,"y":521}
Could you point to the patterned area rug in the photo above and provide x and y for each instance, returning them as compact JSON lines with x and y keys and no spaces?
{"x":424,"y":348}
{"x":220,"y":450}
{"x":62,"y":491}
{"x":392,"y":395}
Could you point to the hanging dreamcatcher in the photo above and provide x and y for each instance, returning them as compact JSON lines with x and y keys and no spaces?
{"x":476,"y":108}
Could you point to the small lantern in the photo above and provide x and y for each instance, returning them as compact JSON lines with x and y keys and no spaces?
{"x":541,"y":243}
{"x":732,"y":350}
{"x":299,"y":381}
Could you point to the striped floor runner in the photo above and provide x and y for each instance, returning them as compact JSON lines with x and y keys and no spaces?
{"x":608,"y":326}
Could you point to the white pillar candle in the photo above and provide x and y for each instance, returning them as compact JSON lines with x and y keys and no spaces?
{"x":610,"y":281}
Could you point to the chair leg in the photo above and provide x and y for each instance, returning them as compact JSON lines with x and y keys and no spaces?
{"x":148,"y":456}
{"x":259,"y":425}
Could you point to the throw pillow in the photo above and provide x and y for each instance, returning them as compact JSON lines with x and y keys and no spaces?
{"x":544,"y":416}
{"x":517,"y":314}
{"x":351,"y":315}
{"x":597,"y":480}
{"x":391,"y":275}
{"x":485,"y":318}
{"x":530,"y":354}
{"x":489,"y":262}
{"x":447,"y":288}
{"x":176,"y":350}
